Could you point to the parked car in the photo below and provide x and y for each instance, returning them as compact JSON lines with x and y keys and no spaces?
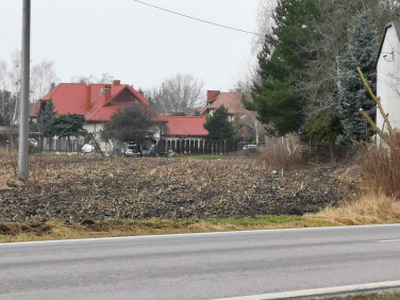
{"x":253,"y":147}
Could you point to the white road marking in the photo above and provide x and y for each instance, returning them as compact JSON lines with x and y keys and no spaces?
{"x":200,"y":233}
{"x":389,"y":241}
{"x":357,"y":288}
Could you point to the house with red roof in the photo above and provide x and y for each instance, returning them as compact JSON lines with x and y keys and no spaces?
{"x":232,"y":101}
{"x":247,"y":125}
{"x":181,"y":126}
{"x":185,"y":134}
{"x":98,"y":102}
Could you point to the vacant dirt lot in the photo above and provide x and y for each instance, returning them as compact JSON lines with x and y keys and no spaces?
{"x":87,"y":188}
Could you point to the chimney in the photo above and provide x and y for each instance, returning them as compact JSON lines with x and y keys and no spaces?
{"x":107,"y":92}
{"x":211,"y":95}
{"x":88,"y":96}
{"x":116,"y":83}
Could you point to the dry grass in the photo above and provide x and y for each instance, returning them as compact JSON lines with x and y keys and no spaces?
{"x":382,"y":167}
{"x":8,"y":166}
{"x":380,"y":202}
{"x":54,"y":230}
{"x":366,"y":296}
{"x":368,"y":209}
{"x":285,"y":154}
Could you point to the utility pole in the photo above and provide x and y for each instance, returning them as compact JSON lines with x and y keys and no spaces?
{"x":23,"y":146}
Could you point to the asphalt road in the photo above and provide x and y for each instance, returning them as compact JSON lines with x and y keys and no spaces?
{"x":200,"y":266}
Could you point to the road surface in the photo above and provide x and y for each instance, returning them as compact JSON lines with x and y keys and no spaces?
{"x":200,"y":266}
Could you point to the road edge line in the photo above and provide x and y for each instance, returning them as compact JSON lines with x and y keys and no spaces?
{"x":323,"y":292}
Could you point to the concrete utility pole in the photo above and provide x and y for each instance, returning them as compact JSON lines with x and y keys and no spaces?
{"x":23,"y":149}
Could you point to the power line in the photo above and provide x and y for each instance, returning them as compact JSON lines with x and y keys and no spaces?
{"x":196,"y":19}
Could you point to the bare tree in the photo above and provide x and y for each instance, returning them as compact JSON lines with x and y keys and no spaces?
{"x":3,"y":75}
{"x":104,"y":78}
{"x":14,"y":75}
{"x":265,"y":22}
{"x":131,"y":124}
{"x":3,"y":84}
{"x":178,"y":93}
{"x":43,"y":76}
{"x":247,"y":76}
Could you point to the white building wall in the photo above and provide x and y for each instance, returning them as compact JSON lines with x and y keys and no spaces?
{"x":94,"y":127}
{"x":97,"y":128}
{"x":388,"y":79}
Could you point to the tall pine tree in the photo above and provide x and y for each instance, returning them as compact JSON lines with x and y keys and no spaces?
{"x":282,"y":63}
{"x":353,"y":95}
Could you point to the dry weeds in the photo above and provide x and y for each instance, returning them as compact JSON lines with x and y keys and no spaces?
{"x":53,"y":230}
{"x":368,"y":209}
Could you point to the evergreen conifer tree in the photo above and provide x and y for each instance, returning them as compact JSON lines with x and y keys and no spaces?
{"x":353,"y":95}
{"x":69,"y":125}
{"x":281,"y":65}
{"x":46,"y":119}
{"x":218,"y":125}
{"x":46,"y":122}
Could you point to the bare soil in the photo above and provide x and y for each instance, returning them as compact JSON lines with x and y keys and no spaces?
{"x":87,"y":189}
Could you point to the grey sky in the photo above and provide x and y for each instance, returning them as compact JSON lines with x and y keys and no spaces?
{"x":134,"y":43}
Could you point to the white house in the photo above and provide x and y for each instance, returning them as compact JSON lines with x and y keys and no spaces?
{"x":388,"y":76}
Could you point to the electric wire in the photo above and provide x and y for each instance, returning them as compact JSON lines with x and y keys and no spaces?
{"x":196,"y":19}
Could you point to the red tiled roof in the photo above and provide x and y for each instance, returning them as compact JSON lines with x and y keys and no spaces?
{"x":71,"y":98}
{"x":34,"y":109}
{"x":231,"y":101}
{"x":185,"y":126}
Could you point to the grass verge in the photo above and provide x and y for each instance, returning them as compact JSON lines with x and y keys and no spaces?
{"x":54,"y":230}
{"x":375,"y":296}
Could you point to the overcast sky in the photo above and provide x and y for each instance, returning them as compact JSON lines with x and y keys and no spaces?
{"x":135,"y":43}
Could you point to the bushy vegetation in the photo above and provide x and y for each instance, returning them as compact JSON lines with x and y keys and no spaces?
{"x":380,"y":202}
{"x":382,"y":167}
{"x":285,"y":154}
{"x":306,"y":81}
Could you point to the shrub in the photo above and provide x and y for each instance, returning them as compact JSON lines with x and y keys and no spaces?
{"x":286,"y":154}
{"x":382,"y":167}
